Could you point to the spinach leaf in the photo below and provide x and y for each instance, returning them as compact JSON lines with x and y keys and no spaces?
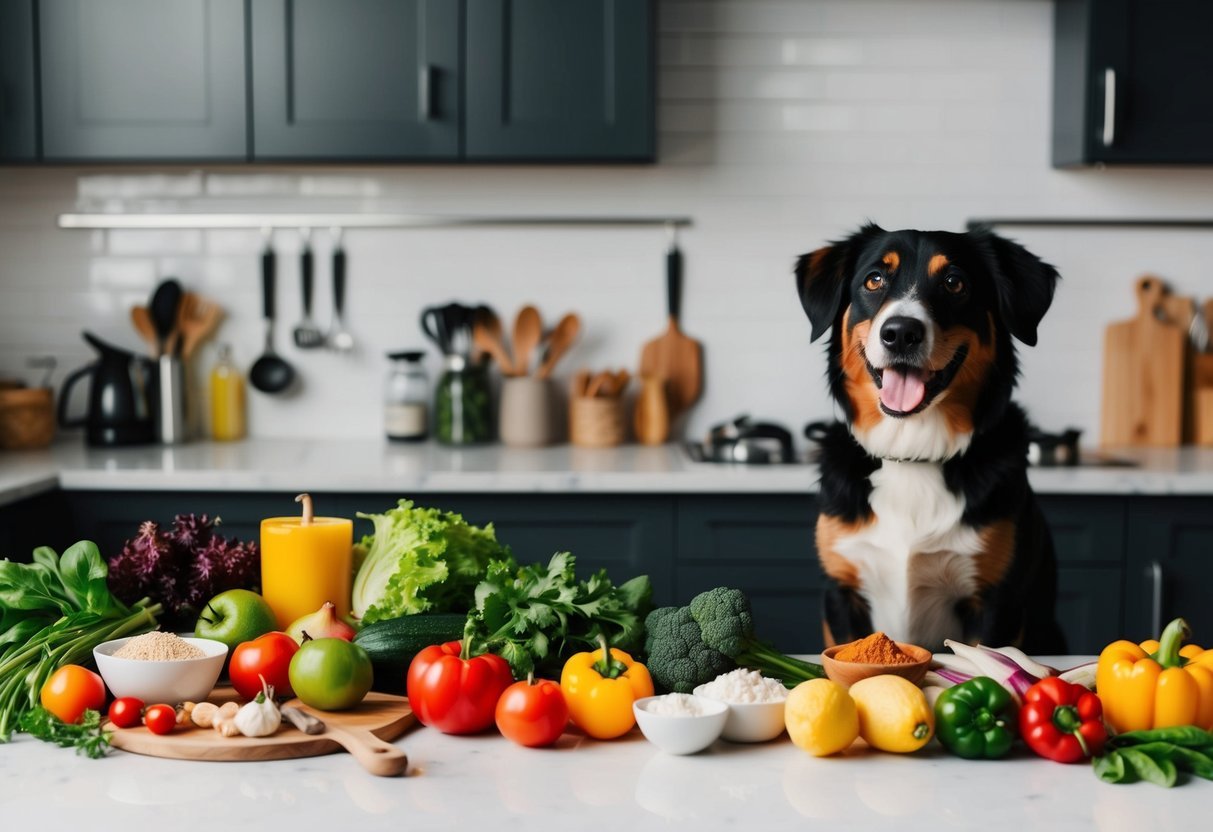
{"x":1111,"y":768}
{"x":83,"y":572}
{"x":1154,"y":769}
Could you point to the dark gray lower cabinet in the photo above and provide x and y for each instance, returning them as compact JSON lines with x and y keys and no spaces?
{"x":143,"y":80}
{"x":18,"y":94}
{"x":555,"y":80}
{"x":1169,"y":569}
{"x":373,"y":79}
{"x":1109,"y":548}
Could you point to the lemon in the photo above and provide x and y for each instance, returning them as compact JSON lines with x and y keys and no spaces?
{"x":821,"y":717}
{"x":893,"y":713}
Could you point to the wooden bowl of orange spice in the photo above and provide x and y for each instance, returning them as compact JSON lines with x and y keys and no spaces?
{"x":875,"y":655}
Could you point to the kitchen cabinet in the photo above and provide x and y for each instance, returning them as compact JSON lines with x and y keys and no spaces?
{"x":763,"y":545}
{"x":377,"y":79}
{"x":551,"y":80}
{"x":18,"y":96}
{"x":1169,"y":569}
{"x":760,"y":543}
{"x":142,"y":80}
{"x":1089,"y":541}
{"x":1131,"y":82}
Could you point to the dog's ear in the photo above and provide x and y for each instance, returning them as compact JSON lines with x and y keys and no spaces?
{"x":821,"y":278}
{"x":1024,"y":284}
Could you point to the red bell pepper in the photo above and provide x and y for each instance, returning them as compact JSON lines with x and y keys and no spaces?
{"x":1062,"y":721}
{"x":454,"y":692}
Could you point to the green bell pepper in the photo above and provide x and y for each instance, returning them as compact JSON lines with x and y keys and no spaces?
{"x":976,"y":719}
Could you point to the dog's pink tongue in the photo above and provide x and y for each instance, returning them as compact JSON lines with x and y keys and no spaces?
{"x":901,"y":391}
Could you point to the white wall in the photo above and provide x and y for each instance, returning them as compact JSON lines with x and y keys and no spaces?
{"x":782,"y":125}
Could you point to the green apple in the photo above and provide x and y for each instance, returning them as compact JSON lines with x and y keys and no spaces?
{"x":331,"y":674}
{"x":234,"y":617}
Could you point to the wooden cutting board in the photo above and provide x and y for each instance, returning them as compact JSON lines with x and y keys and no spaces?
{"x":674,"y":356}
{"x":1144,"y":374}
{"x":365,"y":731}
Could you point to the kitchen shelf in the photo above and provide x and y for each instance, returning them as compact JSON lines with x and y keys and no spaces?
{"x":1091,"y":222}
{"x":357,"y":220}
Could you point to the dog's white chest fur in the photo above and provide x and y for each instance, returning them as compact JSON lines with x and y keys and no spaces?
{"x":916,"y":559}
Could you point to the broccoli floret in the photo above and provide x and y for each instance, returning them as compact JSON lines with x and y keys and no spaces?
{"x":726,"y":624}
{"x":678,"y":660}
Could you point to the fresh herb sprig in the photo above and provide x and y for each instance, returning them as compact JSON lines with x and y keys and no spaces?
{"x":536,"y":616}
{"x":86,"y":736}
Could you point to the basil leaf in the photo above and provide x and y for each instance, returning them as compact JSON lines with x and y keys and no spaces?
{"x":32,"y":586}
{"x":1159,"y":771}
{"x":1111,"y":768}
{"x":83,"y":572}
{"x":1193,"y":762}
{"x":1188,"y":736}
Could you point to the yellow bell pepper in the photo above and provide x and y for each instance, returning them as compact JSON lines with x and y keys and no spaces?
{"x":1156,"y":684}
{"x":600,"y":693}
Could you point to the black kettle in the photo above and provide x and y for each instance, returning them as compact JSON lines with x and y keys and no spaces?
{"x":119,"y":397}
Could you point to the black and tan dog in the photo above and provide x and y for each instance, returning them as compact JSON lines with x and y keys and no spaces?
{"x":928,"y":529}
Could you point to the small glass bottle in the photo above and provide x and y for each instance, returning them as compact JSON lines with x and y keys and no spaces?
{"x":227,"y":398}
{"x":406,"y":400}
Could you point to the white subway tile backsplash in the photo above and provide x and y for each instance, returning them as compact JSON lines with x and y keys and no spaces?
{"x":782,"y":124}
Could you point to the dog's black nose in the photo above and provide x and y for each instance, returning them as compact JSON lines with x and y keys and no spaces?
{"x":901,"y":334}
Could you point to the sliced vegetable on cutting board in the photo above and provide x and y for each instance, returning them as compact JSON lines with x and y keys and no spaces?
{"x":1144,"y":374}
{"x":674,"y":356}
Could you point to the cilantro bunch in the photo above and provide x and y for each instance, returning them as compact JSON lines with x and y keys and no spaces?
{"x":536,"y":616}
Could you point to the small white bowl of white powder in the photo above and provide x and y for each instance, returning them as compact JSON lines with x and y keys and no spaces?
{"x":679,"y":723}
{"x":755,"y":704}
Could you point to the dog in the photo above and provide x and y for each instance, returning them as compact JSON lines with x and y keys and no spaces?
{"x":928,"y":529}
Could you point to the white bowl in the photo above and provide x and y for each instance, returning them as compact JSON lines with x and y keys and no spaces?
{"x":169,"y":682}
{"x":751,"y":721}
{"x":681,"y":734}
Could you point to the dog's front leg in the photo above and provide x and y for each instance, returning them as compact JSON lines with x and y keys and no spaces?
{"x":845,"y":614}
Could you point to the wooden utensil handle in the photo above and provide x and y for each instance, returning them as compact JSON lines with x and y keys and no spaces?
{"x":376,"y":756}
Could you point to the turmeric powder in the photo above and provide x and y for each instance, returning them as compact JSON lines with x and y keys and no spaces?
{"x":874,"y":649}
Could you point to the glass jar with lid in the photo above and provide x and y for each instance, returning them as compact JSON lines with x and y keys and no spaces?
{"x":462,"y":408}
{"x":406,"y":401}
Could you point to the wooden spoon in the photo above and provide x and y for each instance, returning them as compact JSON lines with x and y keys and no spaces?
{"x":528,"y":331}
{"x":141,"y":318}
{"x":581,"y":384}
{"x":561,"y":339}
{"x":486,"y":334}
{"x":197,"y":320}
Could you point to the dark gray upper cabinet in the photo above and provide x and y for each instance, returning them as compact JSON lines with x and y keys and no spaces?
{"x":18,"y":98}
{"x":372,"y":79}
{"x":1131,"y":82}
{"x":551,"y":80}
{"x":143,"y":79}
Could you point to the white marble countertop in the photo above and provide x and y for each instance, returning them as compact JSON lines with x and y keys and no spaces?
{"x":381,"y":466}
{"x":487,"y":782}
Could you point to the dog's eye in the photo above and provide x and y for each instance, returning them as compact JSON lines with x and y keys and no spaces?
{"x":954,"y":284}
{"x":874,"y":281}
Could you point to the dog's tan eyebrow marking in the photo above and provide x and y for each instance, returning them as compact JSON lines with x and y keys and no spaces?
{"x":937,"y":264}
{"x":891,"y":260}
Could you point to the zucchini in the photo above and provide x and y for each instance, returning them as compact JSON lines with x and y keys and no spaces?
{"x":393,"y":643}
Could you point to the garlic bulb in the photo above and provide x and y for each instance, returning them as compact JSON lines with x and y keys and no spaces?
{"x":260,"y":717}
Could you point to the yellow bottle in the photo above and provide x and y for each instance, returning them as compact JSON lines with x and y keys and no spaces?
{"x":306,"y":561}
{"x":227,"y":398}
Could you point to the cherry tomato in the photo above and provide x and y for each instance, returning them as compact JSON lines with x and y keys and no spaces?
{"x":71,"y":690}
{"x":454,"y":694}
{"x":532,"y":713}
{"x":126,"y":711}
{"x":269,"y":656}
{"x":160,"y":719}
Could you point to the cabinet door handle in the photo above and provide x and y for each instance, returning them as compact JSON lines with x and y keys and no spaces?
{"x":425,"y":93}
{"x":1109,"y":107}
{"x":1155,"y":572}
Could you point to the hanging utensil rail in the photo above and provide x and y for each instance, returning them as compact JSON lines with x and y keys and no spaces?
{"x":356,"y":220}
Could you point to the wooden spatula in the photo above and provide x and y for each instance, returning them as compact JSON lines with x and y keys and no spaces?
{"x":674,"y":356}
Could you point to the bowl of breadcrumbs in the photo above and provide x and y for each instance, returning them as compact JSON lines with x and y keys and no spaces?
{"x":161,"y":667}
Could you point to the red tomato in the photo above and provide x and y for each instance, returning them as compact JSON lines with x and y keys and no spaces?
{"x":269,"y":656}
{"x":126,"y":712}
{"x":532,"y":714}
{"x":71,"y":690}
{"x":453,"y":694}
{"x":160,"y":719}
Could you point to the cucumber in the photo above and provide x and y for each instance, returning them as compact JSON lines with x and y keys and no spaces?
{"x":393,"y":643}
